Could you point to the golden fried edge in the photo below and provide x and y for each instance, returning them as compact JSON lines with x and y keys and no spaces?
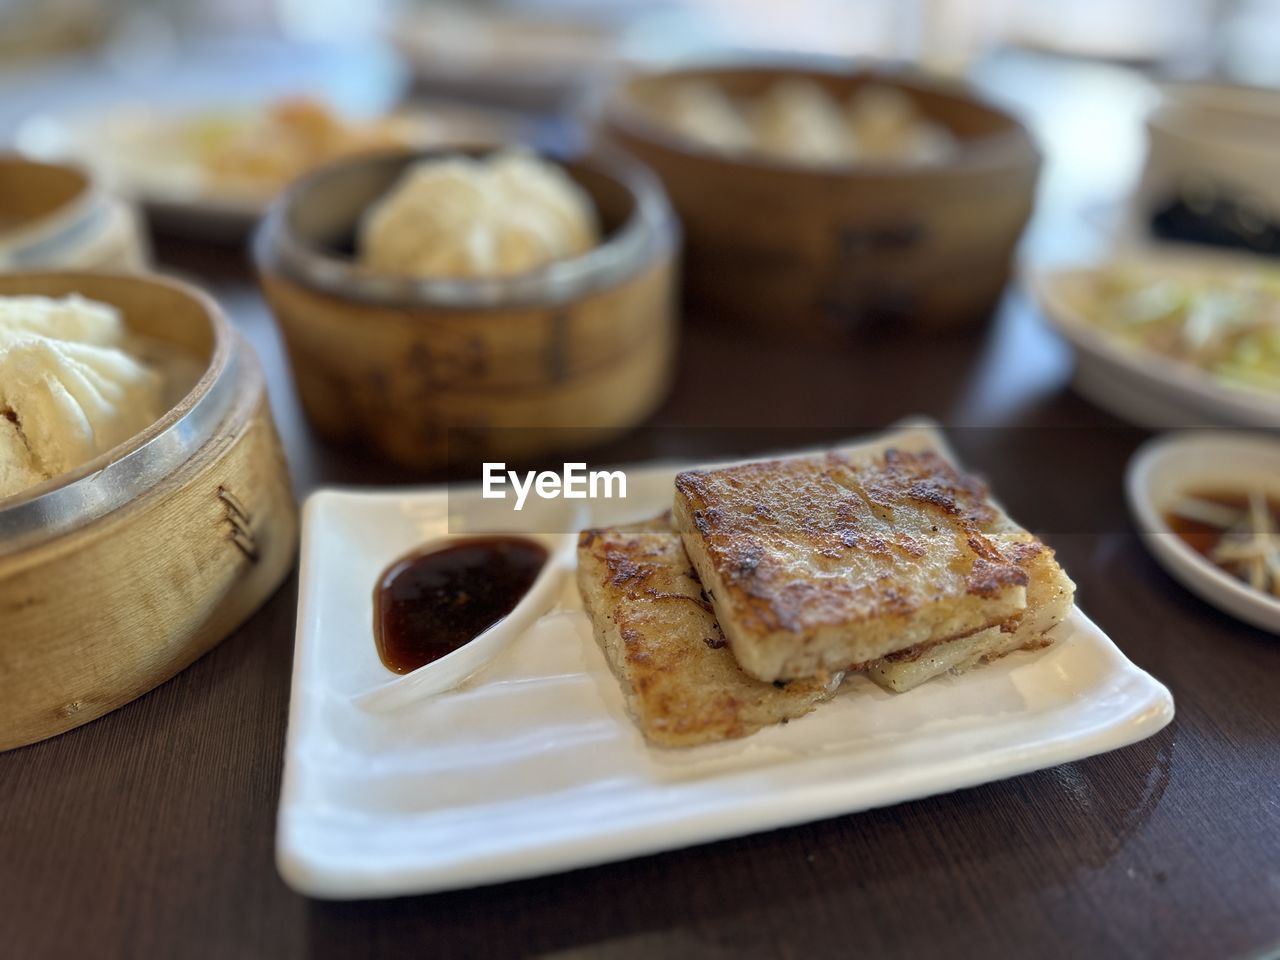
{"x":924,"y":478}
{"x":613,"y":569}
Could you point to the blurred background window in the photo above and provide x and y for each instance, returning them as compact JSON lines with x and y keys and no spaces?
{"x":1230,"y":38}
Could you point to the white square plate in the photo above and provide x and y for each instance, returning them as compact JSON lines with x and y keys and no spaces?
{"x":532,"y":766}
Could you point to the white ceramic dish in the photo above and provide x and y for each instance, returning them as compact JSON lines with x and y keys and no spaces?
{"x":1166,"y":468}
{"x":1224,"y":134}
{"x":1135,"y":384}
{"x":533,"y":766}
{"x":386,"y":692}
{"x":1213,"y":134}
{"x":134,"y":148}
{"x":137,"y":150}
{"x":484,"y":53}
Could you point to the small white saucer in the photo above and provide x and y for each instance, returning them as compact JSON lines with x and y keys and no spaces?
{"x":1170,"y":466}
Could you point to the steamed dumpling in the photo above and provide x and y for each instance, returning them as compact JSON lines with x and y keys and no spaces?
{"x":798,"y":120}
{"x":18,"y":469}
{"x":73,"y":401}
{"x":703,"y":113}
{"x":422,"y":227}
{"x":461,"y":217}
{"x":887,"y":125}
{"x":542,"y":202}
{"x":71,"y":318}
{"x":68,"y":389}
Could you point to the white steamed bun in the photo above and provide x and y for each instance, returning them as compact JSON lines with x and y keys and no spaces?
{"x":71,"y":318}
{"x":505,"y":214}
{"x":67,"y":393}
{"x":888,"y":125}
{"x":18,"y":468}
{"x":703,"y":113}
{"x":798,"y":120}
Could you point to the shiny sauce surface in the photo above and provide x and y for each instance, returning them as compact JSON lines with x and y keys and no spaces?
{"x":1204,"y":537}
{"x":435,"y":600}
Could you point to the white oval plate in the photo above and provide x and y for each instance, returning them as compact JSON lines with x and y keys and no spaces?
{"x":532,"y":765}
{"x":1137,"y":385}
{"x":135,"y":149}
{"x":1167,"y":467}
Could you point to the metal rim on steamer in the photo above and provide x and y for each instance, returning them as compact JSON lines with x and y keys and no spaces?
{"x":70,"y":501}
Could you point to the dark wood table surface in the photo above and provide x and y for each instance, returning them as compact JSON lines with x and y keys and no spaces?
{"x":150,"y":832}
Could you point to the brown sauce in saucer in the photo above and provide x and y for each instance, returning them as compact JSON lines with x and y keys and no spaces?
{"x":433,"y":601}
{"x":1204,"y":537}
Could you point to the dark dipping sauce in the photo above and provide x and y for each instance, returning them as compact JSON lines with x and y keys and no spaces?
{"x":1204,"y":537}
{"x":433,"y":601}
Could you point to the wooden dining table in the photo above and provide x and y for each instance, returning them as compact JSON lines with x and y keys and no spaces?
{"x":150,"y":832}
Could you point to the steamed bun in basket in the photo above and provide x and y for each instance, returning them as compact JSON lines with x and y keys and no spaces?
{"x":69,"y":391}
{"x":705,"y":114}
{"x":456,"y":216}
{"x":798,"y":120}
{"x":71,"y":318}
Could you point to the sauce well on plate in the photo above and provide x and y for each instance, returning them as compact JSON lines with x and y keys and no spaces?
{"x":433,"y":601}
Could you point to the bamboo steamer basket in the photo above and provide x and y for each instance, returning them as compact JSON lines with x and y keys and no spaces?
{"x":434,"y":371}
{"x":116,"y":576}
{"x":56,"y":216}
{"x":817,"y":251}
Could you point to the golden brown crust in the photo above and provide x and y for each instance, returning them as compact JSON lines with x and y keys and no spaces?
{"x":1050,"y":594}
{"x":926,"y":477}
{"x":819,"y":561}
{"x":655,"y":625}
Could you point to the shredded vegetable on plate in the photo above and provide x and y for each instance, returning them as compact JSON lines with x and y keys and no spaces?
{"x":1227,"y":326}
{"x":1247,"y":541}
